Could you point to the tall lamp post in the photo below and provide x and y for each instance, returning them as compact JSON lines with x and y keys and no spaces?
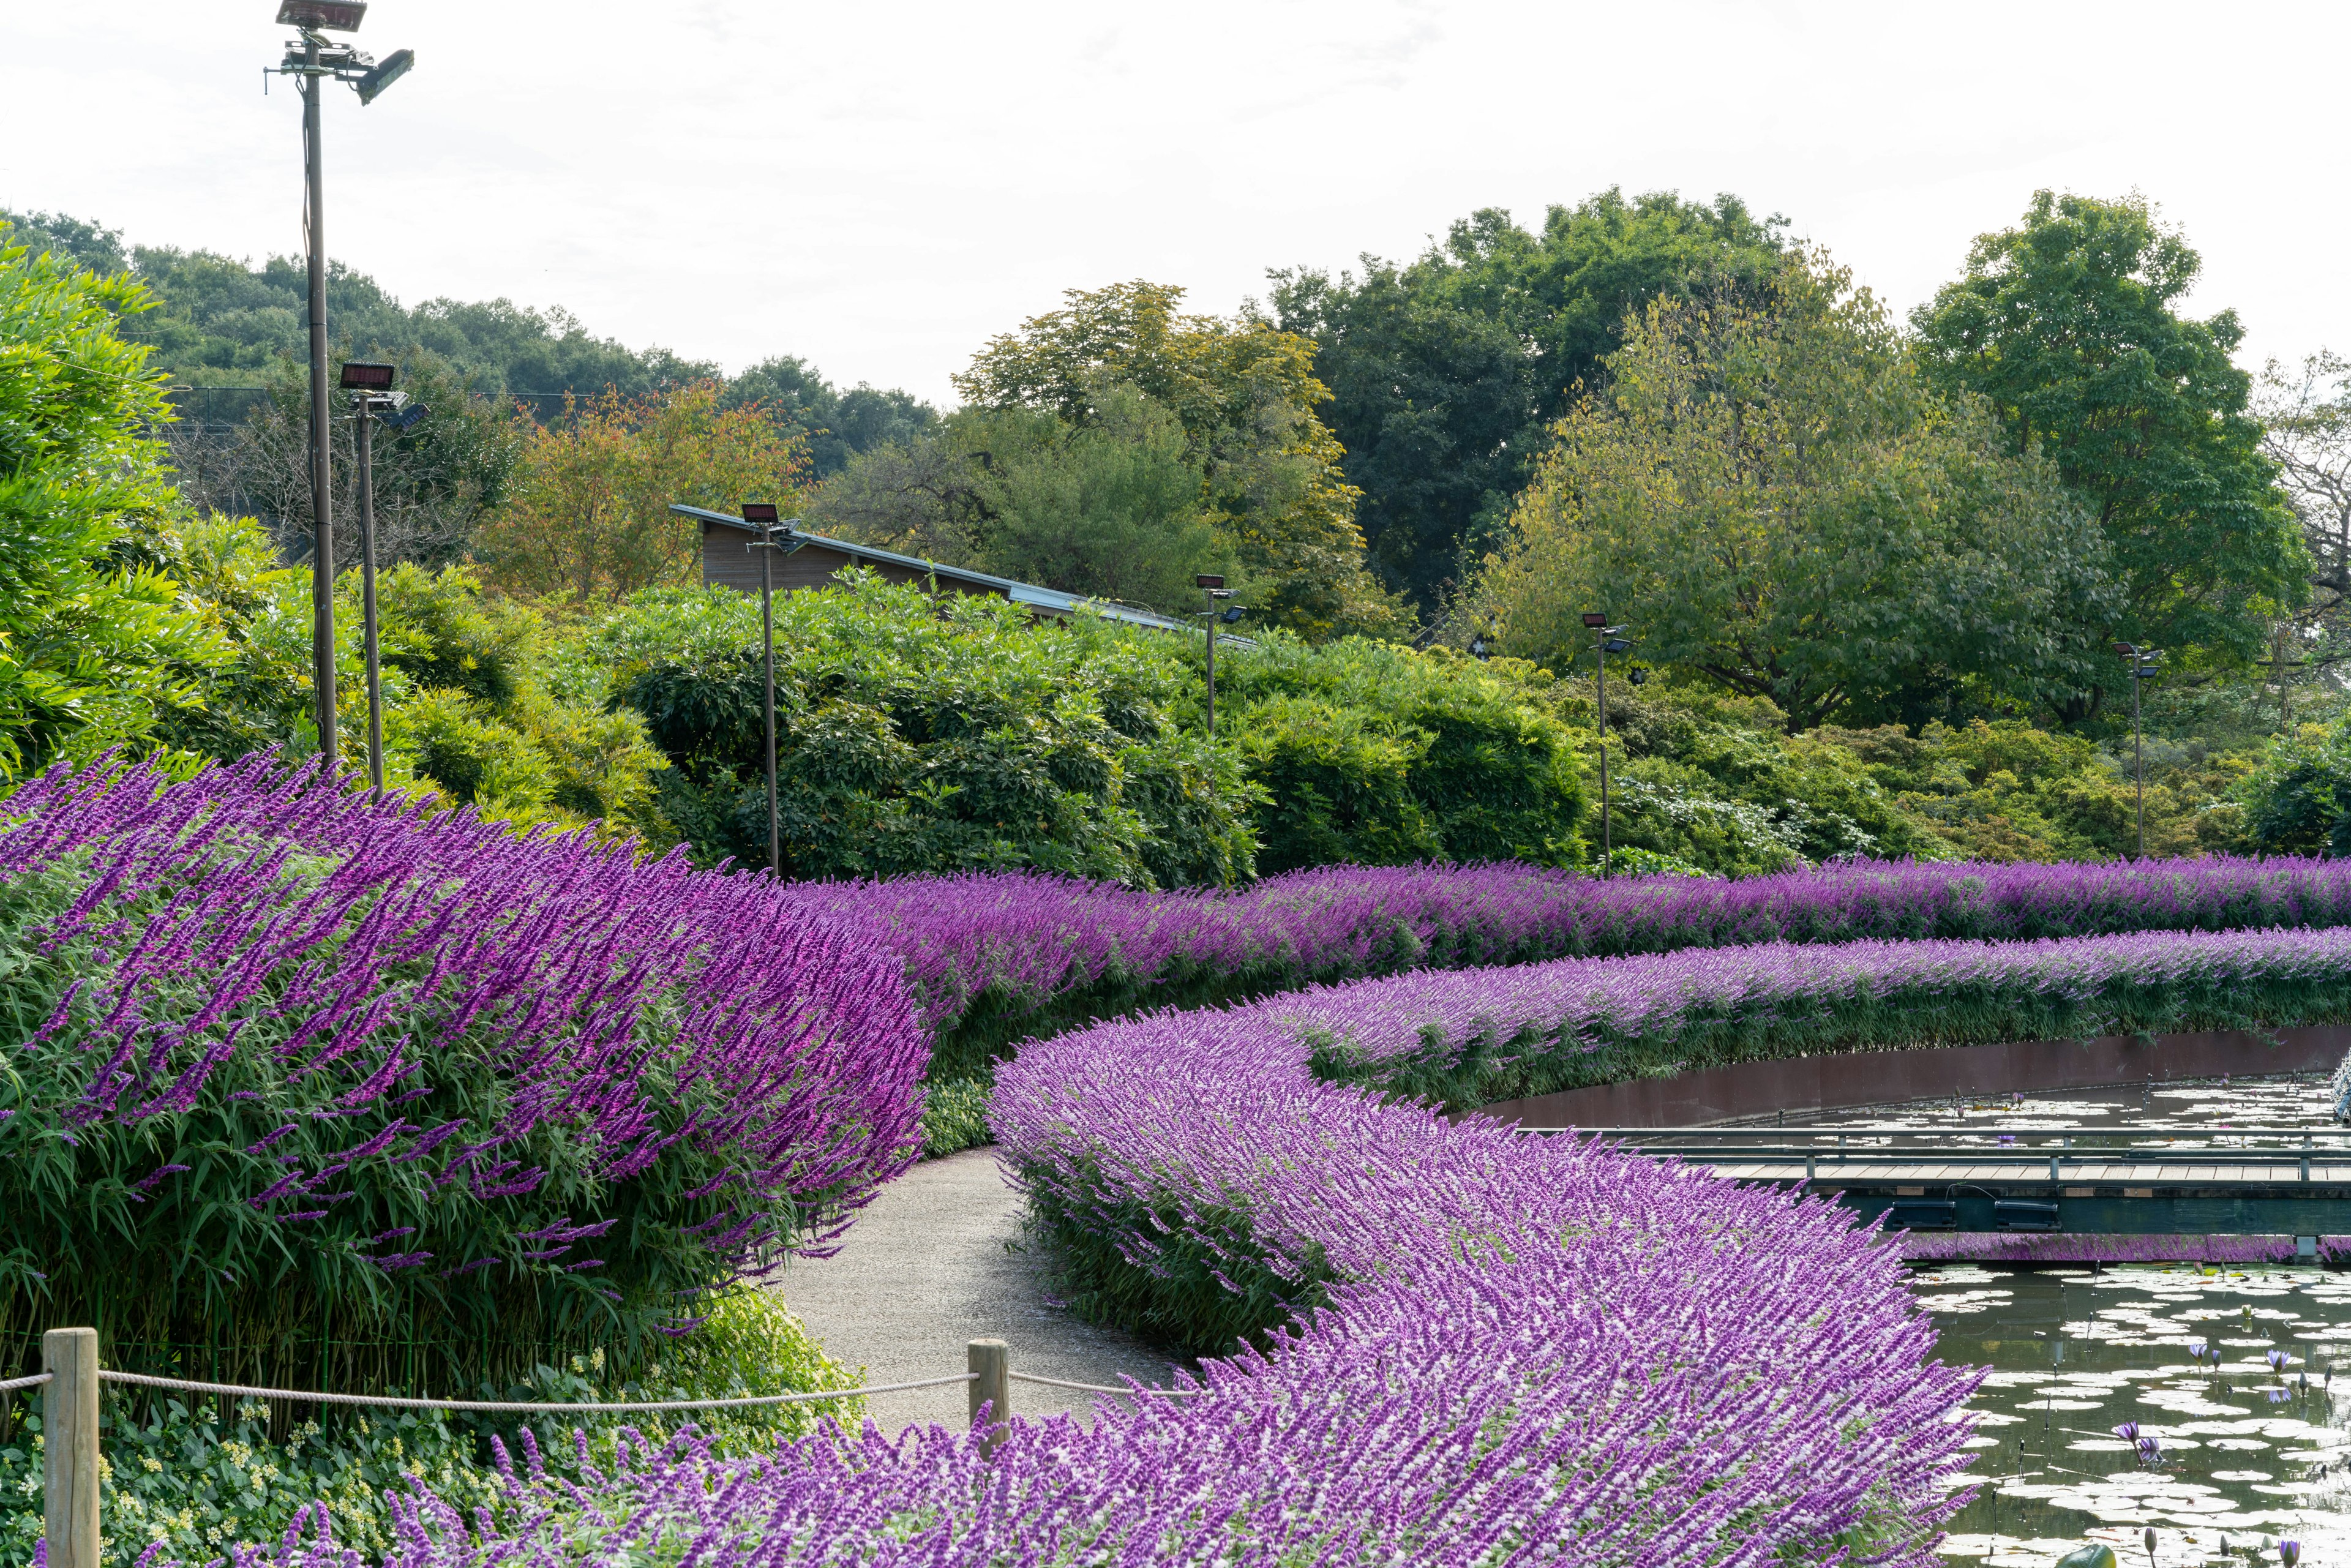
{"x":372,"y":398}
{"x":2142,"y":667}
{"x":1610,"y":642}
{"x":775,"y":537}
{"x":312,"y":58}
{"x":1214,"y":588}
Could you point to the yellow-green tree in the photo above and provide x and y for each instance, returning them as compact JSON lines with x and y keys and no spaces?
{"x":590,"y":516}
{"x":1246,"y":395}
{"x":1774,"y":499}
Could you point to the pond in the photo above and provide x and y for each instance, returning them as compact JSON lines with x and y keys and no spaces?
{"x":2244,"y":1456}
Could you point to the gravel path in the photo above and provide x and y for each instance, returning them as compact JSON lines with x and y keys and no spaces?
{"x":929,"y":1267}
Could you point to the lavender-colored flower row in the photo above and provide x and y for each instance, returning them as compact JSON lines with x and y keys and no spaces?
{"x":1200,"y":1149}
{"x":1008,"y":944}
{"x":1538,"y":1027}
{"x":255,"y":909}
{"x":1534,"y":1353}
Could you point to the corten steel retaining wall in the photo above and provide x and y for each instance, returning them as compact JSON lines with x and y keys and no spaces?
{"x":1838,"y":1081}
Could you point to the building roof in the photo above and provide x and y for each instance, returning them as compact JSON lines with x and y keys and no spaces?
{"x":1050,"y":600}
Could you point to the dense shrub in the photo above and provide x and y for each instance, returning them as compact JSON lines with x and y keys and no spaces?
{"x":1374,"y":753}
{"x":916,"y":737}
{"x":317,"y":1091}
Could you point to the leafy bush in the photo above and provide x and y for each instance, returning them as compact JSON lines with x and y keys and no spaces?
{"x":1374,"y":753}
{"x":319,"y":1090}
{"x":96,"y":644}
{"x":2297,"y":802}
{"x":916,"y":737}
{"x":202,"y":1480}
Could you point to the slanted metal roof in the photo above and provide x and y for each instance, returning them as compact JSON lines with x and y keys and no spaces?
{"x":1029,"y":593}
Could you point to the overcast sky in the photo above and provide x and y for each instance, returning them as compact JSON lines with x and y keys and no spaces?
{"x":880,"y":187}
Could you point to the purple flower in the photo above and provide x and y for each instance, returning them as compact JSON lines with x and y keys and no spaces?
{"x":2128,"y":1431}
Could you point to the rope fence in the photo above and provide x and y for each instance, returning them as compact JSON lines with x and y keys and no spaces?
{"x":71,"y":1377}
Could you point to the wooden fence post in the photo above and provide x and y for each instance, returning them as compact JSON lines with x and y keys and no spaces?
{"x":69,"y":1447}
{"x":991,"y":1384}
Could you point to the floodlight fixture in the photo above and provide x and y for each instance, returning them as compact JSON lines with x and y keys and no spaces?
{"x":358,"y":375}
{"x":376,"y":77}
{"x":1614,"y":645}
{"x":761,"y":512}
{"x":1207,"y":580}
{"x":321,"y":15}
{"x":405,"y":416}
{"x":1232,"y":615}
{"x":1594,"y":619}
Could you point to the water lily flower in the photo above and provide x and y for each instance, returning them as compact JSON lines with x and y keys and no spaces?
{"x":2128,"y":1431}
{"x":2150,"y":1450}
{"x":2289,"y":1552}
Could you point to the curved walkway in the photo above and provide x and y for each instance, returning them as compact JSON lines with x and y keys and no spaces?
{"x":930,"y":1265}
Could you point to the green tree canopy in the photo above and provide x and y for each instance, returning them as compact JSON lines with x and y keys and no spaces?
{"x":1245,"y":395}
{"x":1772,"y":500}
{"x":2067,"y":326}
{"x":95,"y":646}
{"x":1446,"y":372}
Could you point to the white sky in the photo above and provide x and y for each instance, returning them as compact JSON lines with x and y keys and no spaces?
{"x":880,"y":187}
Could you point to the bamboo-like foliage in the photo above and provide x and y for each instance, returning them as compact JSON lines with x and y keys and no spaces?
{"x":313,"y":1088}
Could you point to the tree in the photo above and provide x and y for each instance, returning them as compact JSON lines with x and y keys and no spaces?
{"x":1111,"y":508}
{"x":95,"y":644}
{"x":433,"y":483}
{"x":2067,"y":326}
{"x":1446,"y":372}
{"x":1772,"y":498}
{"x":589,"y":518}
{"x":838,"y":425}
{"x":2305,"y":417}
{"x":1245,"y":394}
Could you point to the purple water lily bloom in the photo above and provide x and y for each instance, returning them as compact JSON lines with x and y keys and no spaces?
{"x":2128,"y":1431}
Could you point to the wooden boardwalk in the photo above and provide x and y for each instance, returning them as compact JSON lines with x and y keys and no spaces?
{"x":2293,"y":1181}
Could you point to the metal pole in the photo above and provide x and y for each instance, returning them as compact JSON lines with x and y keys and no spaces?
{"x":1607,"y":856}
{"x":367,"y":590}
{"x":1212,"y":666}
{"x":70,"y":1474}
{"x":767,"y":639}
{"x":2138,"y":754}
{"x":322,"y":545}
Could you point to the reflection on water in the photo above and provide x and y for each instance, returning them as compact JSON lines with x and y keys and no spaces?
{"x":2245,"y":1456}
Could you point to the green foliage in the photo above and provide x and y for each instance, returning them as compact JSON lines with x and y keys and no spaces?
{"x":919,"y":738}
{"x":2067,"y":325}
{"x":955,"y":1116}
{"x":96,"y":644}
{"x":468,"y":712}
{"x":1445,"y":373}
{"x":202,"y":1480}
{"x":839,"y":424}
{"x":2297,"y":802}
{"x":1374,"y":753}
{"x":1771,"y":498}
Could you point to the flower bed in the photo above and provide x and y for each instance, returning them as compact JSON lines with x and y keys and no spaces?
{"x":1506,"y":1350}
{"x":312,"y":1090}
{"x":1468,"y":1038}
{"x":995,"y":956}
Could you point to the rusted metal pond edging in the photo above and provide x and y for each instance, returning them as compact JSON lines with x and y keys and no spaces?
{"x":1846,"y":1079}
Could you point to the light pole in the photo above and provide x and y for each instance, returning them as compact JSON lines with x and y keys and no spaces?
{"x":1214,"y":588}
{"x":1610,"y":642}
{"x":312,"y":59}
{"x":2142,"y":665}
{"x":761,"y":515}
{"x":371,"y":395}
